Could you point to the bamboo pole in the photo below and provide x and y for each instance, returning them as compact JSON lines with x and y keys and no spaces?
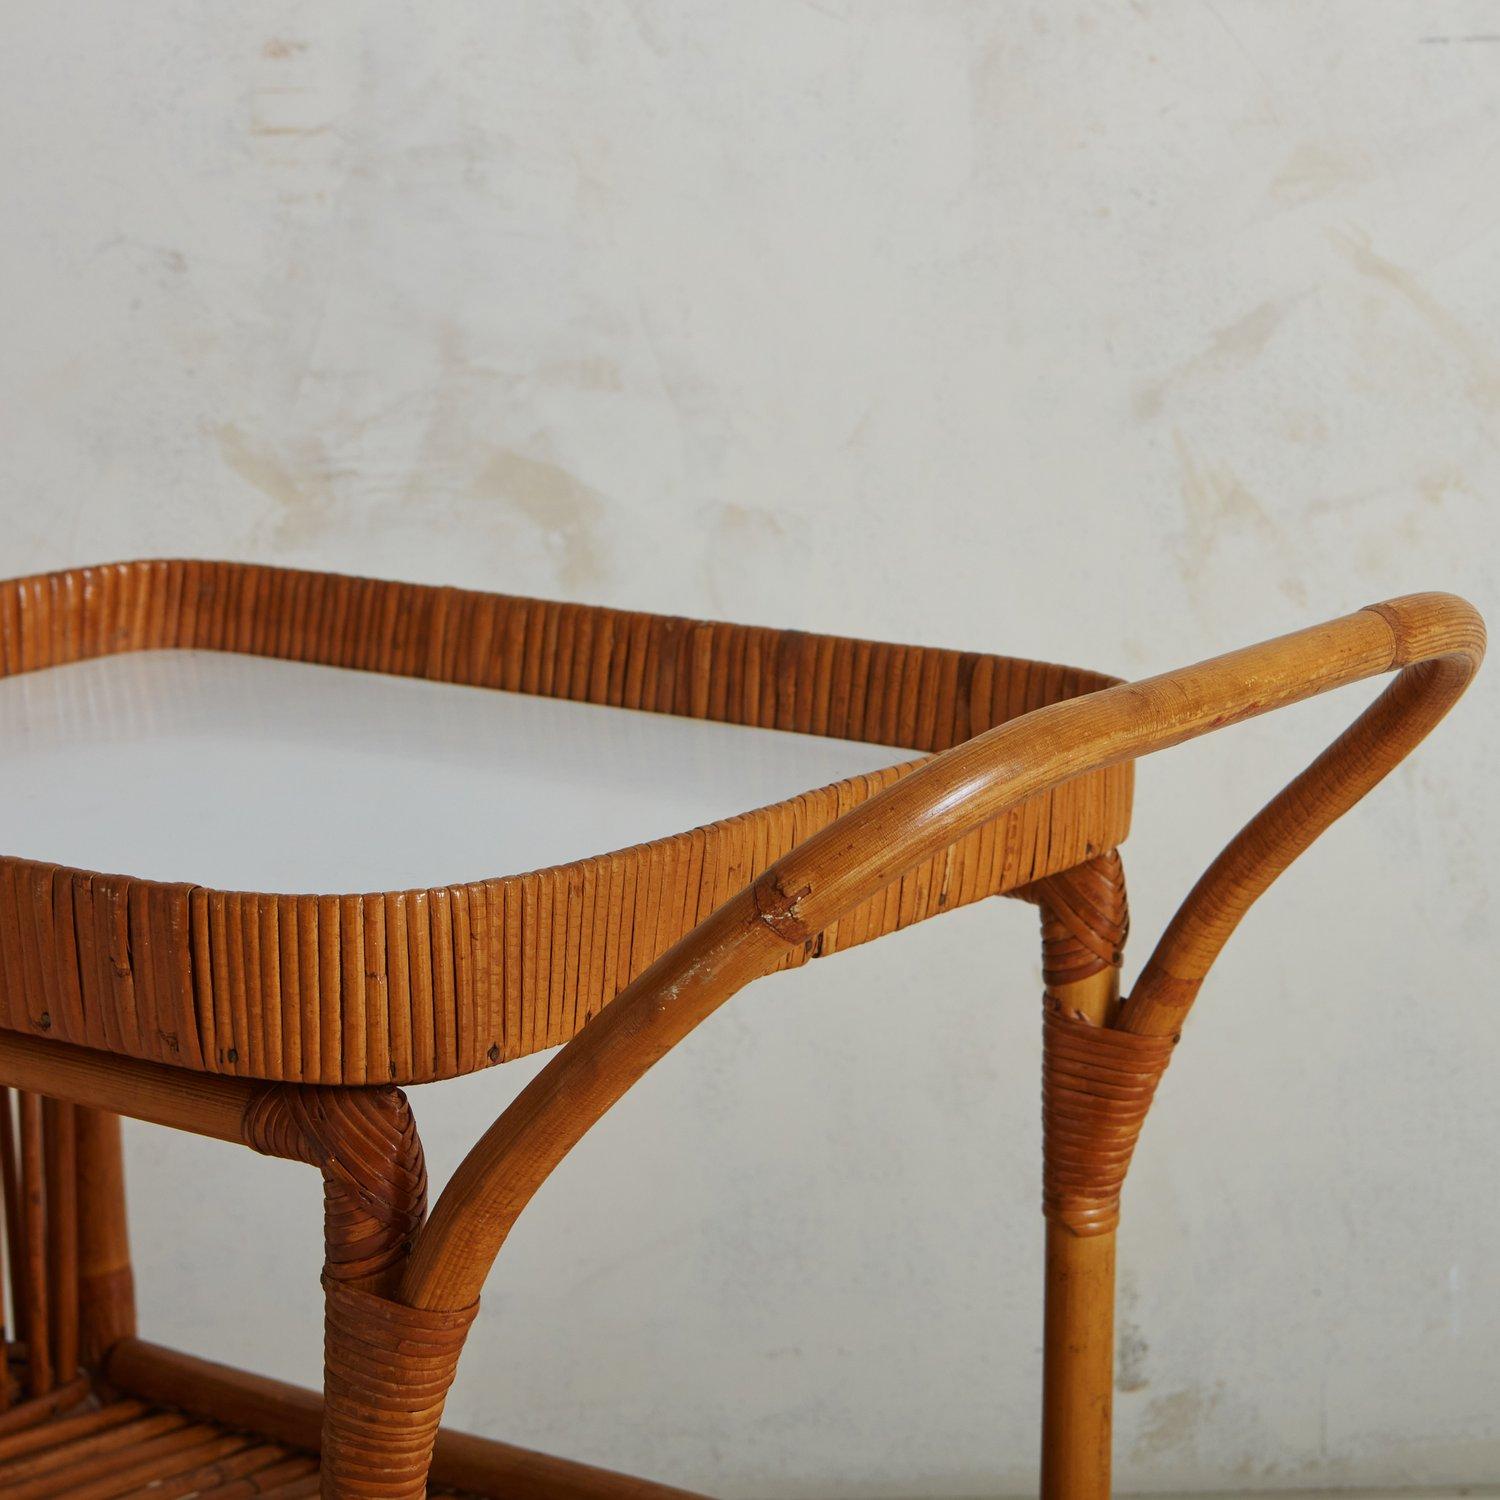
{"x":60,"y":1167}
{"x":34,"y":1248}
{"x":106,"y":1285}
{"x":1078,"y":1341}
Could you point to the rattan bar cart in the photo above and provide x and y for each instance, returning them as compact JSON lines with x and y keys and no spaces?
{"x":288,"y":1022}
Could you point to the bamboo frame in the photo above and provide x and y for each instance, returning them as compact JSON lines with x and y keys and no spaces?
{"x":1084,"y":923}
{"x":398,"y":1285}
{"x":1435,"y":641}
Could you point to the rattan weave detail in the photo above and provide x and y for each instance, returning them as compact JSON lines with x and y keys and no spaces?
{"x":409,"y":986}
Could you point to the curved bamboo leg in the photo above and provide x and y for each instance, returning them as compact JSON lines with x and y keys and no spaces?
{"x":1084,"y":922}
{"x":1434,"y":642}
{"x":387,"y":1367}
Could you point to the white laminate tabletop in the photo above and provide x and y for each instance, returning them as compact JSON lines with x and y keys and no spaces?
{"x":248,"y":774}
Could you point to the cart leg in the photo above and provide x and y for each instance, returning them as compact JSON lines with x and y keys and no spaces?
{"x":106,"y":1284}
{"x":387,"y":1367}
{"x":1084,"y":922}
{"x":1078,"y":1365}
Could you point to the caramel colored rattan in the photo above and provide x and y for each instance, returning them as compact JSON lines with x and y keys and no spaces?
{"x":89,"y":1412}
{"x":146,"y":999}
{"x":1097,"y":1086}
{"x":410,"y":986}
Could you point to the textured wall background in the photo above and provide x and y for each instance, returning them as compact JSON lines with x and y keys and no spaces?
{"x":1117,"y":334}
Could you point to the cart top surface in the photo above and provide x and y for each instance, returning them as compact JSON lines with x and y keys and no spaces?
{"x":300,"y":825}
{"x":253,"y":774}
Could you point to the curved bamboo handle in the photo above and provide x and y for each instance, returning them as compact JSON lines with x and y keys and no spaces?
{"x":1436,"y":640}
{"x":1439,"y":643}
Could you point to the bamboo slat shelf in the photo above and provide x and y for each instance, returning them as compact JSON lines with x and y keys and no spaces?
{"x":282,"y":856}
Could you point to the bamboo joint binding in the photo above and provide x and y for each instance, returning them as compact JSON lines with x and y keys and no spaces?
{"x":365,"y":1143}
{"x":387,"y":1374}
{"x":1085,"y":919}
{"x":1097,"y":1087}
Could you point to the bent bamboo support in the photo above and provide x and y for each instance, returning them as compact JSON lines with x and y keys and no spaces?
{"x":1434,"y":641}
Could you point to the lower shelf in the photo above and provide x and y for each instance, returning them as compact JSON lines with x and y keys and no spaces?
{"x":127,"y":1449}
{"x":171,"y":1426}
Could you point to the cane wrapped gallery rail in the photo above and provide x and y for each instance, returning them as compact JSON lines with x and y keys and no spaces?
{"x":286,"y":1021}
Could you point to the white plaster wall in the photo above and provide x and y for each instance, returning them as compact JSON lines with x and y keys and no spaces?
{"x":1117,"y":334}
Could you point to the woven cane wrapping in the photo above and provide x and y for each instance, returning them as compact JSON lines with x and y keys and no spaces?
{"x":387,"y":1373}
{"x":1097,"y":1087}
{"x":1085,"y":919}
{"x":409,"y":986}
{"x":365,"y":1143}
